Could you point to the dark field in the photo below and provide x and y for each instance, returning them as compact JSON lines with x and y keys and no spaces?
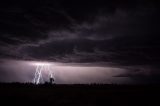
{"x":79,"y":95}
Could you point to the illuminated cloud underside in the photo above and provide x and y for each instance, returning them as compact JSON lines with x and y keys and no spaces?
{"x":63,"y":73}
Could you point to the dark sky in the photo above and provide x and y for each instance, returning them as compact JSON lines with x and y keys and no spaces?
{"x":99,"y":35}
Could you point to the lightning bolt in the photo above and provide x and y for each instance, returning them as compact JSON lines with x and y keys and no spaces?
{"x":38,"y":78}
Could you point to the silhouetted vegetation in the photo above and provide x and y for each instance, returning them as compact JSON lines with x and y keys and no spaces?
{"x":79,"y":94}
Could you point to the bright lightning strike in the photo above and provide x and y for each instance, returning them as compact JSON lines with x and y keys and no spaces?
{"x":38,"y":78}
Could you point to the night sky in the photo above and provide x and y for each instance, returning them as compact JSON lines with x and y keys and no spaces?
{"x":84,"y":41}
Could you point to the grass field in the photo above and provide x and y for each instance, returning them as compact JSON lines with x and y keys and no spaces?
{"x":79,"y":95}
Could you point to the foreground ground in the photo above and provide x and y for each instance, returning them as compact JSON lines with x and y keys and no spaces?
{"x":79,"y":95}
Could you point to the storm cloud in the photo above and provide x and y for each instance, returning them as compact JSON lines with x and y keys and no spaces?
{"x":109,"y":34}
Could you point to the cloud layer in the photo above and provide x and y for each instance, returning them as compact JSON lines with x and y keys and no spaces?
{"x":116,"y":34}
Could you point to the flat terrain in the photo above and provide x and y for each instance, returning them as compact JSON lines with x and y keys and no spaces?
{"x":79,"y":95}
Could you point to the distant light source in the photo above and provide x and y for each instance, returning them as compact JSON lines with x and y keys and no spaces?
{"x":37,"y":63}
{"x":41,"y":66}
{"x":42,"y":63}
